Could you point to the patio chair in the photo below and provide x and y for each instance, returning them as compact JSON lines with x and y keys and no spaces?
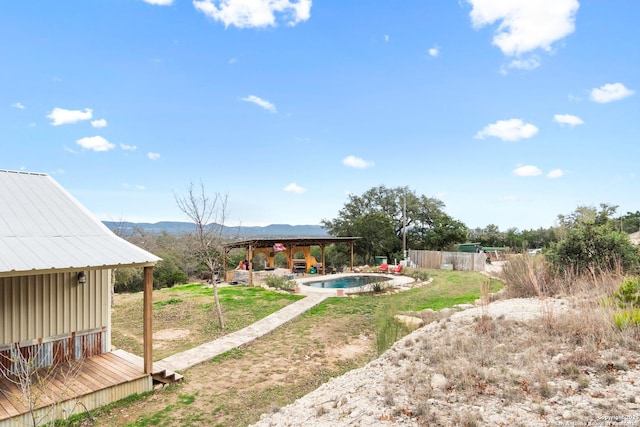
{"x":383,"y":268}
{"x":397,"y":270}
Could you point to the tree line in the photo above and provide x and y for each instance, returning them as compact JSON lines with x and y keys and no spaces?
{"x":387,"y":221}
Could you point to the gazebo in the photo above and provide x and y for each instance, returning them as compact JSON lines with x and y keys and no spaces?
{"x":290,"y":246}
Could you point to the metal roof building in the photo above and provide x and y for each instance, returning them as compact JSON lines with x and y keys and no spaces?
{"x":42,"y":227}
{"x":56,"y":269}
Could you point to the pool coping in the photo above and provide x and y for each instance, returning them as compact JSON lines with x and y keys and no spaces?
{"x":396,"y":281}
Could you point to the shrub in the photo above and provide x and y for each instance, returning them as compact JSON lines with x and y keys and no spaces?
{"x":417,"y":274}
{"x":629,"y":293}
{"x":629,"y":317}
{"x":628,"y":299}
{"x":594,"y":248}
{"x":128,"y":280}
{"x":166,"y":274}
{"x":280,"y":282}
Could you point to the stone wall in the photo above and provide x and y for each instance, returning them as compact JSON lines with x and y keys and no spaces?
{"x":242,"y":276}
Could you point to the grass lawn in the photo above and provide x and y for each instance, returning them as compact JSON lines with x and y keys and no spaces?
{"x":184,"y":316}
{"x":235,"y":388}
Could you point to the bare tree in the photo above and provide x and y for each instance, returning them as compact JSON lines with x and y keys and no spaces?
{"x":208,"y":216}
{"x":27,"y":370}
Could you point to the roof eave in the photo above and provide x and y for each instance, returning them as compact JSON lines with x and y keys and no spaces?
{"x":14,"y":273}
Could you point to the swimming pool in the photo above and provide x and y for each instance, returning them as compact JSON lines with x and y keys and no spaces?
{"x":347,"y":282}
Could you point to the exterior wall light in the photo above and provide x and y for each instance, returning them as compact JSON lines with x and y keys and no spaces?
{"x":82,"y":278}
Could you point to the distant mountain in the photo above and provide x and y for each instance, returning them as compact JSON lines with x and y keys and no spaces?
{"x":173,"y":227}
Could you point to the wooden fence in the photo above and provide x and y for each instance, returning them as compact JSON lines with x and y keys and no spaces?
{"x":452,"y":260}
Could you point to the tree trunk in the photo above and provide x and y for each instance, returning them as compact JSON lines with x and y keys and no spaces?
{"x":217,"y":300}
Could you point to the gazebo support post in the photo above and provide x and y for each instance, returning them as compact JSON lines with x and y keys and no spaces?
{"x":250,"y":266}
{"x":351,"y":256}
{"x":324,"y":266}
{"x":147,"y":318}
{"x":224,"y":265}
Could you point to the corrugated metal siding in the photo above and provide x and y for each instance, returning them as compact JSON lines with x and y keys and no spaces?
{"x":54,"y":351}
{"x":37,"y":307}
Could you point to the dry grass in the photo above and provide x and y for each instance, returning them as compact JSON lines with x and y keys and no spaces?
{"x":516,"y":361}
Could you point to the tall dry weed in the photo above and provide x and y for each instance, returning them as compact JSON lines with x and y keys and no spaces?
{"x":527,"y":276}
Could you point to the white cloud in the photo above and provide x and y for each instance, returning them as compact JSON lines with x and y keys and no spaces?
{"x":100,"y":123}
{"x":60,"y":116}
{"x":568,"y":119}
{"x":128,"y":147}
{"x":159,"y":2}
{"x":139,"y":187}
{"x":528,"y":64}
{"x":525,"y":25}
{"x":386,"y":37}
{"x":255,"y":13}
{"x":153,"y":156}
{"x":260,"y":102}
{"x":610,"y":92}
{"x":294,"y":188}
{"x":232,"y":61}
{"x":556,"y":173}
{"x":95,"y":143}
{"x":18,"y":105}
{"x":356,"y":162}
{"x":434,"y":51}
{"x":508,"y":130}
{"x":527,"y":170}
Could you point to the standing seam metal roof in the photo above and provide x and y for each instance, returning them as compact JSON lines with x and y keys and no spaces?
{"x":43,"y":227}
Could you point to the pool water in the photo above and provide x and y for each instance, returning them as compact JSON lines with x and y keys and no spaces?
{"x":347,"y":282}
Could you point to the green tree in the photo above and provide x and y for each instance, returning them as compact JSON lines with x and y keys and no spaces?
{"x":382,"y":215}
{"x":591,"y":243}
{"x":630,"y":223}
{"x":440,"y":233}
{"x":166,"y":274}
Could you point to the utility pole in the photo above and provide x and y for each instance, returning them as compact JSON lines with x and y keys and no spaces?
{"x":404,"y":227}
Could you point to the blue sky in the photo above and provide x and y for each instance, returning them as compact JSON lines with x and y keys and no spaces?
{"x":510,"y":112}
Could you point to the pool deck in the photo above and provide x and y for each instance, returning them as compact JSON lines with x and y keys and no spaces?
{"x":396,"y":281}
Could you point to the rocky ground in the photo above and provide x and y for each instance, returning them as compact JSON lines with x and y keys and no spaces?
{"x":514,"y":362}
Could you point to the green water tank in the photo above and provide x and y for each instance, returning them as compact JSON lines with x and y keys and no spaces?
{"x":379,"y":260}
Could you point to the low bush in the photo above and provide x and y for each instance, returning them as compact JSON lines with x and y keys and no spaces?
{"x":629,"y":293}
{"x":627,"y":318}
{"x":128,"y":280}
{"x":417,"y":274}
{"x":166,"y":275}
{"x":279,"y":282}
{"x":627,"y":298}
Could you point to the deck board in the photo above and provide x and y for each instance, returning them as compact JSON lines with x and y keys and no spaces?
{"x":95,"y":373}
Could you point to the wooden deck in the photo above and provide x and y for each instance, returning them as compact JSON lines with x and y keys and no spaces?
{"x":90,"y":383}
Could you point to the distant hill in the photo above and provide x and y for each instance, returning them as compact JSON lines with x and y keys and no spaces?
{"x":173,"y":227}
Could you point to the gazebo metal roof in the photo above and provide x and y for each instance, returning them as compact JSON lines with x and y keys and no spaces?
{"x":291,"y":241}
